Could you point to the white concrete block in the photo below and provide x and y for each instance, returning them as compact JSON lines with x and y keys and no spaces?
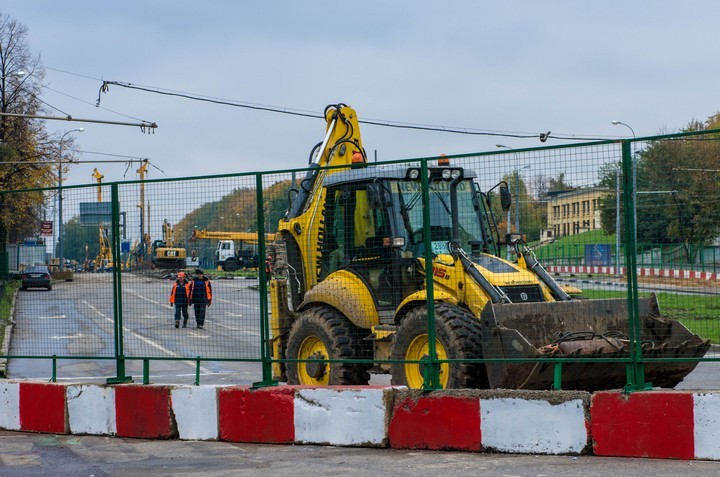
{"x":533,"y":426}
{"x":196,"y":412}
{"x":10,"y":406}
{"x":91,"y":409}
{"x":340,"y":417}
{"x":706,"y":410}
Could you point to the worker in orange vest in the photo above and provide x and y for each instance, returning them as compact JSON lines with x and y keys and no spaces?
{"x":180,"y":297}
{"x":201,"y":296}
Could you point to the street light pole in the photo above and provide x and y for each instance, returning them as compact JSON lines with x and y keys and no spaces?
{"x":60,"y":198}
{"x":634,"y":192}
{"x":507,"y":247}
{"x":617,"y":221}
{"x":517,"y":194}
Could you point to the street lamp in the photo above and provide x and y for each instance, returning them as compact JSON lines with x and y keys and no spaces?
{"x":60,"y":217}
{"x":616,"y":122}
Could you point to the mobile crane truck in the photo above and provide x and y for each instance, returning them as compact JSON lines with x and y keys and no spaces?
{"x":227,"y":256}
{"x":349,"y":282}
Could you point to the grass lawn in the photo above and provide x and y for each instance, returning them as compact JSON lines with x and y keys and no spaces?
{"x":699,"y":313}
{"x":573,"y":246}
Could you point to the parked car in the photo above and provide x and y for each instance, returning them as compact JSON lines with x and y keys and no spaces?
{"x":36,"y":277}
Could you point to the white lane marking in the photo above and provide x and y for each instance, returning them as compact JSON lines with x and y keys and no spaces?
{"x":237,"y":304}
{"x":69,"y":337}
{"x":91,"y":378}
{"x":141,"y":337}
{"x":170,"y":306}
{"x":56,"y":317}
{"x":234,"y":328}
{"x":216,"y":299}
{"x":148,"y":299}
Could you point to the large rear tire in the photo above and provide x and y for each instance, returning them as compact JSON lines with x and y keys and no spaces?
{"x":323,"y":333}
{"x":457,"y":336}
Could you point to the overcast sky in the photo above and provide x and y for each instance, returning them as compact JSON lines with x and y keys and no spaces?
{"x":569,"y":67}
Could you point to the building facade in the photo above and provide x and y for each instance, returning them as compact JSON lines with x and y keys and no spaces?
{"x":572,"y":212}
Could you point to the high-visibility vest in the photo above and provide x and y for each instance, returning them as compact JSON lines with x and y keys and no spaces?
{"x":208,"y":289}
{"x":187,"y":291}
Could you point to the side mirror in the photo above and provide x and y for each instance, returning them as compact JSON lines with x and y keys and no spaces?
{"x":505,"y":198}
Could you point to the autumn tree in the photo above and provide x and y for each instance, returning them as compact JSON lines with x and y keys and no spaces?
{"x":29,"y":156}
{"x":677,"y":182}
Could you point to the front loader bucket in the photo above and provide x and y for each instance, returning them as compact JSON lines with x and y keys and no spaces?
{"x":583,"y":329}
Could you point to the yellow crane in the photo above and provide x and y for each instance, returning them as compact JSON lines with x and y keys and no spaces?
{"x":104,"y":257}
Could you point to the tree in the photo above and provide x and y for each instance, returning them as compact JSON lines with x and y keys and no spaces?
{"x":558,"y":184}
{"x":28,"y":154}
{"x":677,"y":182}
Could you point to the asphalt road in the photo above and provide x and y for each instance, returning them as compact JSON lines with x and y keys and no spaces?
{"x":76,"y":319}
{"x":26,"y":454}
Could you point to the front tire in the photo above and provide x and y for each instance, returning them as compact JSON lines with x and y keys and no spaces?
{"x":457,"y":336}
{"x":323,"y":333}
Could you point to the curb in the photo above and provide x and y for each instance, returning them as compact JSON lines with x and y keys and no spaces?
{"x":656,"y":424}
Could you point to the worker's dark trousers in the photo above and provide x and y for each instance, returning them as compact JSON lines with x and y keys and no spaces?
{"x":200,"y":313}
{"x":181,"y":309}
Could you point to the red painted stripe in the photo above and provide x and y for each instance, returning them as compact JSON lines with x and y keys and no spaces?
{"x":445,"y":422}
{"x":144,"y":412}
{"x":643,"y":424}
{"x":264,"y":415}
{"x":42,"y":408}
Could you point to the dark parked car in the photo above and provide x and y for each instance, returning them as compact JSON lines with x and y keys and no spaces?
{"x":36,"y":277}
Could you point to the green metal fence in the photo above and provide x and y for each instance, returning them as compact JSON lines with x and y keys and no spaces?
{"x":397,"y":276}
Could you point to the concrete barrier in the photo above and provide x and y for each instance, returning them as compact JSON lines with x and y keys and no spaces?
{"x":530,"y":422}
{"x":656,"y":424}
{"x":659,"y":424}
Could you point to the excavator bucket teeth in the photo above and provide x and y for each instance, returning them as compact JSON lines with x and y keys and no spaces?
{"x":583,"y":329}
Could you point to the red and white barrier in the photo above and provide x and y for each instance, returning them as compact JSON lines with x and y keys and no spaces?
{"x":536,"y":422}
{"x":641,"y":272}
{"x":658,"y":424}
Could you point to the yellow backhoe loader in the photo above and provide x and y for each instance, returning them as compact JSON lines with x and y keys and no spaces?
{"x":350,"y":268}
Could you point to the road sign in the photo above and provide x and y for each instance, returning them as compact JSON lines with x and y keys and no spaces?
{"x":46,"y":228}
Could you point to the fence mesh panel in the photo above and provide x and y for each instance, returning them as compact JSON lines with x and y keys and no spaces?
{"x":526,"y":257}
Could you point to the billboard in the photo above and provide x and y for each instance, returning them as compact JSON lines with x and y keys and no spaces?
{"x":95,"y":213}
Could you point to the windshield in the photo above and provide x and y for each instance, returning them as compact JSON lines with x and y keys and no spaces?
{"x":470,"y":229}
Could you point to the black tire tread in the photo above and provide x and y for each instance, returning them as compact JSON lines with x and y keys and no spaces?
{"x":459,"y":332}
{"x":341,"y":338}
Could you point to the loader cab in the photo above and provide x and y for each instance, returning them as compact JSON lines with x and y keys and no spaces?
{"x":373,"y":225}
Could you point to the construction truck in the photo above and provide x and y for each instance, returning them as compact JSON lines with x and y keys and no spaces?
{"x":165,"y":253}
{"x":350,"y":270}
{"x":227,"y":256}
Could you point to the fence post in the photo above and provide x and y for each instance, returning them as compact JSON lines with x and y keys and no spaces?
{"x":265,"y":353}
{"x":117,"y":290}
{"x":432,"y":367}
{"x":636,"y":368}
